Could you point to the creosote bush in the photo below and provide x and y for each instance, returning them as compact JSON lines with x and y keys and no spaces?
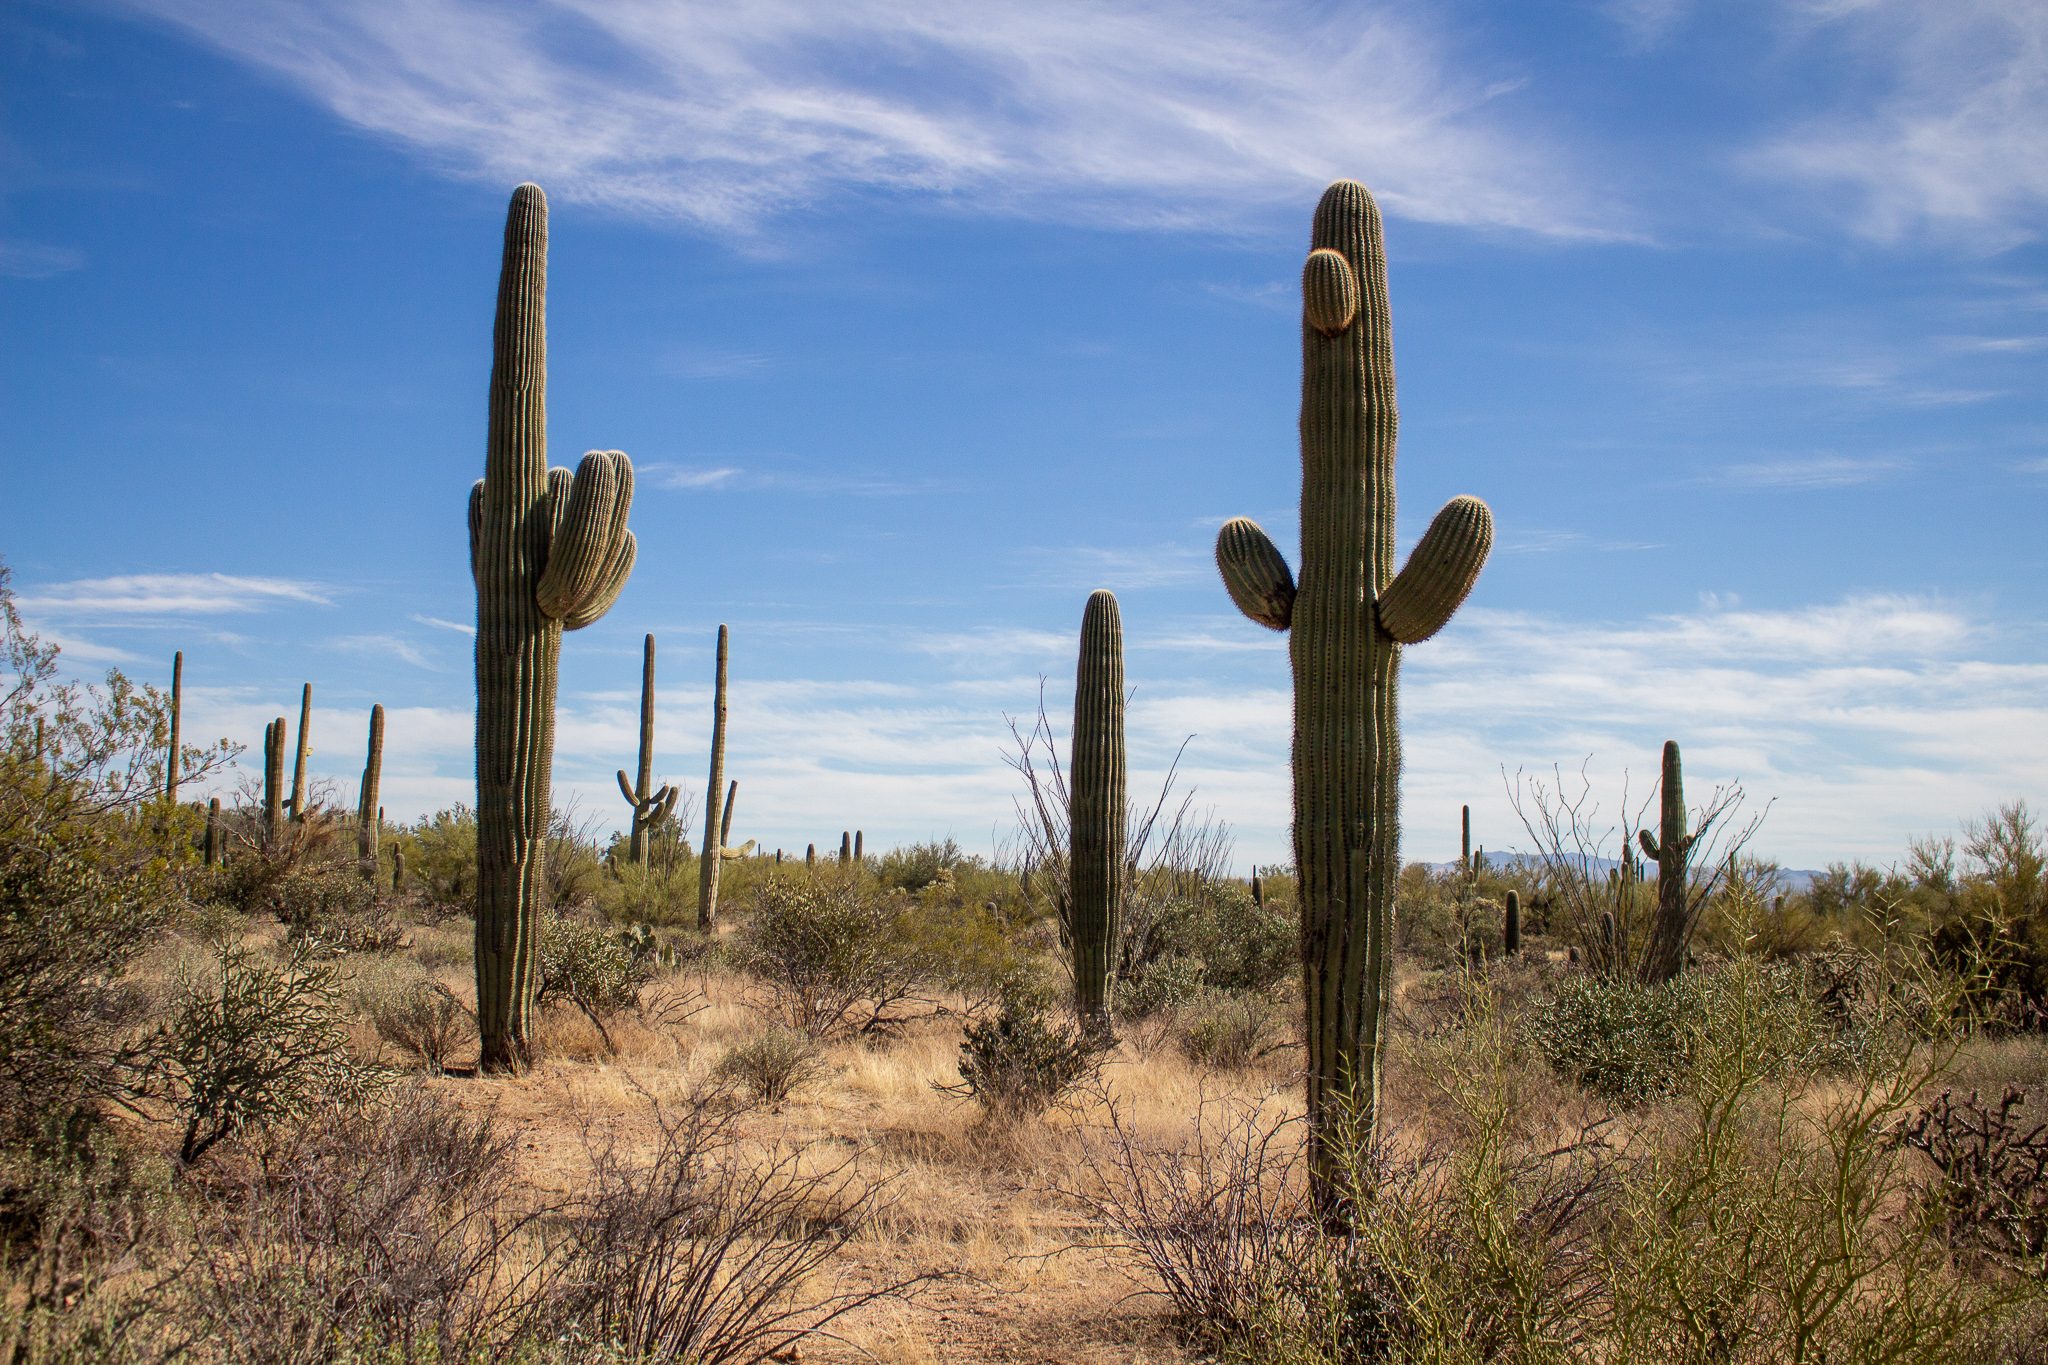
{"x":425,"y":1019}
{"x":770,"y":1066}
{"x":1022,"y":1058}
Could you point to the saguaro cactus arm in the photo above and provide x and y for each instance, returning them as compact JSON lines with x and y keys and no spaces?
{"x":592,"y":551}
{"x":1255,"y":573}
{"x":1440,"y":572}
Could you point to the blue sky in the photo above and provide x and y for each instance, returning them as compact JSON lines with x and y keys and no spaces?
{"x":922,"y":321}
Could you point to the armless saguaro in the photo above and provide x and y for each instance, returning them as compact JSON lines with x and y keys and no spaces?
{"x":1347,"y":622}
{"x":550,"y":552}
{"x":714,"y":844}
{"x":369,"y":815}
{"x":172,"y":764}
{"x":1095,"y":874}
{"x":305,"y":748}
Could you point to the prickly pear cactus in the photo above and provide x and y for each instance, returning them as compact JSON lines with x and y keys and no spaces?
{"x":1672,"y":853}
{"x":550,"y":552}
{"x":1347,"y":618}
{"x":1096,"y":786}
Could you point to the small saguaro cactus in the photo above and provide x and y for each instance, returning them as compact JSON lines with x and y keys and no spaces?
{"x":1672,"y":852}
{"x":1347,"y":619}
{"x":1258,"y":891}
{"x":859,"y":848}
{"x":298,"y":806}
{"x":1511,"y":924}
{"x":397,"y":871}
{"x":650,"y":807}
{"x":810,"y":855}
{"x":1465,"y":841}
{"x":550,"y":552}
{"x":1096,"y":798}
{"x":171,"y":764}
{"x":707,"y":876}
{"x":213,"y":831}
{"x":369,"y":815}
{"x":845,"y":847}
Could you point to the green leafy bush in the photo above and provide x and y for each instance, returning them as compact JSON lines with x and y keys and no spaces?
{"x":1233,"y":1031}
{"x":1020,"y":1060}
{"x":256,"y":1045}
{"x":917,"y":866}
{"x":427,"y":1021}
{"x":834,"y":957}
{"x":332,"y":908}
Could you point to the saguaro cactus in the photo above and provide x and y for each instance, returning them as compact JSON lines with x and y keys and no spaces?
{"x":1511,"y":924}
{"x":650,"y":807}
{"x":273,"y":780}
{"x":171,"y":764}
{"x":369,"y":815}
{"x":1347,"y":621}
{"x":1096,"y":802}
{"x":213,"y":831}
{"x":1672,"y":852}
{"x":1465,"y":841}
{"x":549,"y":551}
{"x":714,"y":842}
{"x":305,"y":748}
{"x":845,"y":847}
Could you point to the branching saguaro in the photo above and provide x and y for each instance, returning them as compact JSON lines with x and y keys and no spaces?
{"x":550,"y":552}
{"x":650,"y":807}
{"x":1347,"y":619}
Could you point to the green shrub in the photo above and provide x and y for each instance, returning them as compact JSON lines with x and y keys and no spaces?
{"x":914,"y":868}
{"x":835,"y":957}
{"x":1233,"y":1031}
{"x":1020,"y":1060}
{"x":584,"y":965}
{"x":1169,"y":981}
{"x":427,"y":1021}
{"x":257,"y":1045}
{"x":332,"y":908}
{"x":772,"y":1065}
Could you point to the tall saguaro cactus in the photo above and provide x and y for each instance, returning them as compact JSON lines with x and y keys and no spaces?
{"x":1672,"y":852}
{"x":1096,"y":805}
{"x":305,"y":748}
{"x":714,"y":842}
{"x":369,"y":819}
{"x":171,"y":764}
{"x":650,"y":807}
{"x":273,"y":780}
{"x":550,"y":552}
{"x":1347,"y":621}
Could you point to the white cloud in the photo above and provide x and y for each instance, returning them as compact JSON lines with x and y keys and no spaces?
{"x":445,"y":625}
{"x":35,"y":261}
{"x":390,"y":645}
{"x":168,"y":595}
{"x":1176,"y":113}
{"x":667,"y":476}
{"x":1952,"y":139}
{"x":1819,"y":471}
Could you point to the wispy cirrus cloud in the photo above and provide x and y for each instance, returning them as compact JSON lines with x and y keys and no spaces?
{"x":1816,"y":471}
{"x":391,"y":646}
{"x":439,"y":624}
{"x":1947,"y":133}
{"x":38,"y":260}
{"x":132,"y":595}
{"x":1182,"y":113}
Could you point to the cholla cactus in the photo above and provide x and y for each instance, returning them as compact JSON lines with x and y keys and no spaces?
{"x":1347,"y":620}
{"x":550,"y":552}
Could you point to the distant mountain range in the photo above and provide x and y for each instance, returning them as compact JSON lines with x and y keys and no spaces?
{"x":1789,"y":879}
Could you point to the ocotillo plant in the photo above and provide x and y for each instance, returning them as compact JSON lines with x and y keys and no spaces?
{"x":1096,"y":786}
{"x":650,"y":807}
{"x":273,"y":781}
{"x":1672,"y":851}
{"x":707,"y":877}
{"x":177,"y":714}
{"x":369,"y":815}
{"x":1347,"y":621}
{"x":1511,"y":924}
{"x":305,"y":748}
{"x":550,"y":552}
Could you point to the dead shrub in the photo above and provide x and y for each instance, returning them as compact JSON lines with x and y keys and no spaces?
{"x":1993,"y":1189}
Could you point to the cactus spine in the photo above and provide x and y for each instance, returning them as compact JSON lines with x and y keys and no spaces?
{"x":298,"y":803}
{"x":171,"y":764}
{"x":1671,"y":852}
{"x":1347,"y":621}
{"x":1511,"y":924}
{"x":549,"y":551}
{"x":1096,"y":786}
{"x":714,"y":840}
{"x":650,"y":808}
{"x":369,"y":815}
{"x":273,"y":781}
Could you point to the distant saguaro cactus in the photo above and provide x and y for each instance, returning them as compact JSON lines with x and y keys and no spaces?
{"x":213,"y":832}
{"x":1672,"y":852}
{"x":1096,"y":786}
{"x":397,"y":870}
{"x":845,"y":847}
{"x":549,"y":551}
{"x":810,"y":855}
{"x":369,"y":815}
{"x":171,"y":764}
{"x":859,"y":848}
{"x":1511,"y":924}
{"x":305,"y":748}
{"x":1347,"y":621}
{"x":714,"y":842}
{"x":650,"y":807}
{"x":1465,"y":841}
